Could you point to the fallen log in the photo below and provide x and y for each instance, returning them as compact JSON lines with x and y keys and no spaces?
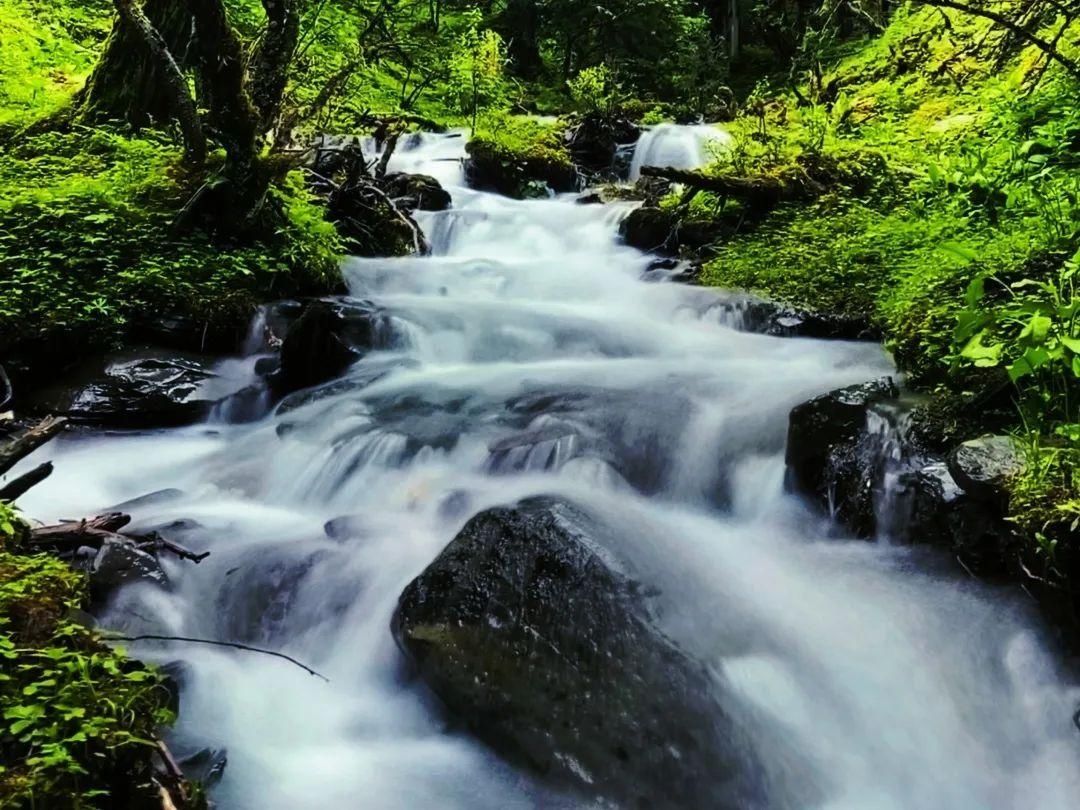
{"x":15,"y":489}
{"x":763,"y":191}
{"x":29,"y":441}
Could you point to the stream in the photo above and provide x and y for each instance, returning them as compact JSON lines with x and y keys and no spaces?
{"x":531,"y":357}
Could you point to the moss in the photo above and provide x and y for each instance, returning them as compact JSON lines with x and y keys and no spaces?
{"x":86,"y":247}
{"x":517,"y":156}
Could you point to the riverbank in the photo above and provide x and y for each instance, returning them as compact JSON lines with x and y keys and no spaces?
{"x":941,"y":214}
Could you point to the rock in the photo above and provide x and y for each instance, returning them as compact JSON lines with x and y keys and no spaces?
{"x":205,"y":766}
{"x":119,"y":563}
{"x":490,"y":167}
{"x":831,"y":456}
{"x":594,"y":141}
{"x":325,"y":340}
{"x":151,"y":390}
{"x":649,"y":229}
{"x":751,"y":314}
{"x":367,"y":222}
{"x":984,"y":467}
{"x":533,"y":633}
{"x":417,"y":192}
{"x":939,"y":512}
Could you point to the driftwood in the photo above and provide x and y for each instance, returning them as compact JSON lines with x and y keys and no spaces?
{"x":29,"y":441}
{"x":94,"y":532}
{"x":758,"y":191}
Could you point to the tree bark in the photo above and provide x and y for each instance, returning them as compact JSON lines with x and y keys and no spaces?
{"x":127,"y":84}
{"x":271,"y":60}
{"x":171,"y":78}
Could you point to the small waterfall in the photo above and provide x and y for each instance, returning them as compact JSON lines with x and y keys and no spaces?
{"x":679,"y":147}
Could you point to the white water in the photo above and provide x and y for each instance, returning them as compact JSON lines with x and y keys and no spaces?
{"x":680,"y":147}
{"x":900,"y":687}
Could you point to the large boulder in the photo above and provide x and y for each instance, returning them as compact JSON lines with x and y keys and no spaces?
{"x":327,"y":338}
{"x":417,"y":192}
{"x":148,"y":390}
{"x":649,"y":228}
{"x":833,"y":458}
{"x":751,"y":314}
{"x":535,"y":634}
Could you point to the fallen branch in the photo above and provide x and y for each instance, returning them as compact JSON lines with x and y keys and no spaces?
{"x":14,"y":490}
{"x":388,"y":152}
{"x":760,"y":191}
{"x":29,"y":441}
{"x":231,"y":644}
{"x":96,"y":531}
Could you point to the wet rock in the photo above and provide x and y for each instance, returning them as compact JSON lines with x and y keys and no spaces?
{"x":186,"y":333}
{"x":119,"y":562}
{"x":491,"y":168}
{"x":534,"y":634}
{"x":983,"y":467}
{"x":205,"y":766}
{"x":417,"y":192}
{"x":938,"y":511}
{"x":594,"y":141}
{"x":649,"y":229}
{"x":367,"y":222}
{"x":751,"y":314}
{"x":131,"y":391}
{"x":831,"y":456}
{"x":325,"y":340}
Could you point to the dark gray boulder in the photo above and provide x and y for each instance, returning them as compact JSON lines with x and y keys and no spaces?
{"x":984,"y":466}
{"x":752,"y":314}
{"x":417,"y":192}
{"x":155,"y":389}
{"x":537,"y":637}
{"x":832,"y":458}
{"x":120,"y":562}
{"x":325,"y":340}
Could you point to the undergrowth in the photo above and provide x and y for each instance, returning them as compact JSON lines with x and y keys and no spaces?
{"x":78,"y":717}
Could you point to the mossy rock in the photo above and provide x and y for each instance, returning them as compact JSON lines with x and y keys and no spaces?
{"x":492,"y":166}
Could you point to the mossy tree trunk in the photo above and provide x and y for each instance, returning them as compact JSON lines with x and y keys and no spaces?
{"x":129,"y":82}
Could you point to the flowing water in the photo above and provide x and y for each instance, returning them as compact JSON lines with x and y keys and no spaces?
{"x":680,"y":147}
{"x":532,"y":358}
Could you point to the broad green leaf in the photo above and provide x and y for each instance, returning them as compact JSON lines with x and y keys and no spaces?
{"x":962,"y":253}
{"x":981,"y":355}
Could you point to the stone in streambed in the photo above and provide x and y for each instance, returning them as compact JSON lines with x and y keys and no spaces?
{"x":825,"y":452}
{"x":325,"y":340}
{"x":417,"y":192}
{"x":537,"y":637}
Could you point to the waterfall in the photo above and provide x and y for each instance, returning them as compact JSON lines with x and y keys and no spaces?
{"x":535,"y":360}
{"x":679,"y":147}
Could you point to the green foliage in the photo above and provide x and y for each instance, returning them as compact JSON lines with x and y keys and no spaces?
{"x":76,"y":211}
{"x":595,"y":91}
{"x":476,"y":80}
{"x":76,"y":717}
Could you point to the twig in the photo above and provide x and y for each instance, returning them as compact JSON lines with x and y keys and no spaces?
{"x":231,"y":644}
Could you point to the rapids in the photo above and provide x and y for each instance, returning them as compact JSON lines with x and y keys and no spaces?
{"x":900,"y":684}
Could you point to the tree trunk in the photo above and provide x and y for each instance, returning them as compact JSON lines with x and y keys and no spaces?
{"x":128,"y":83}
{"x":270,"y":62}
